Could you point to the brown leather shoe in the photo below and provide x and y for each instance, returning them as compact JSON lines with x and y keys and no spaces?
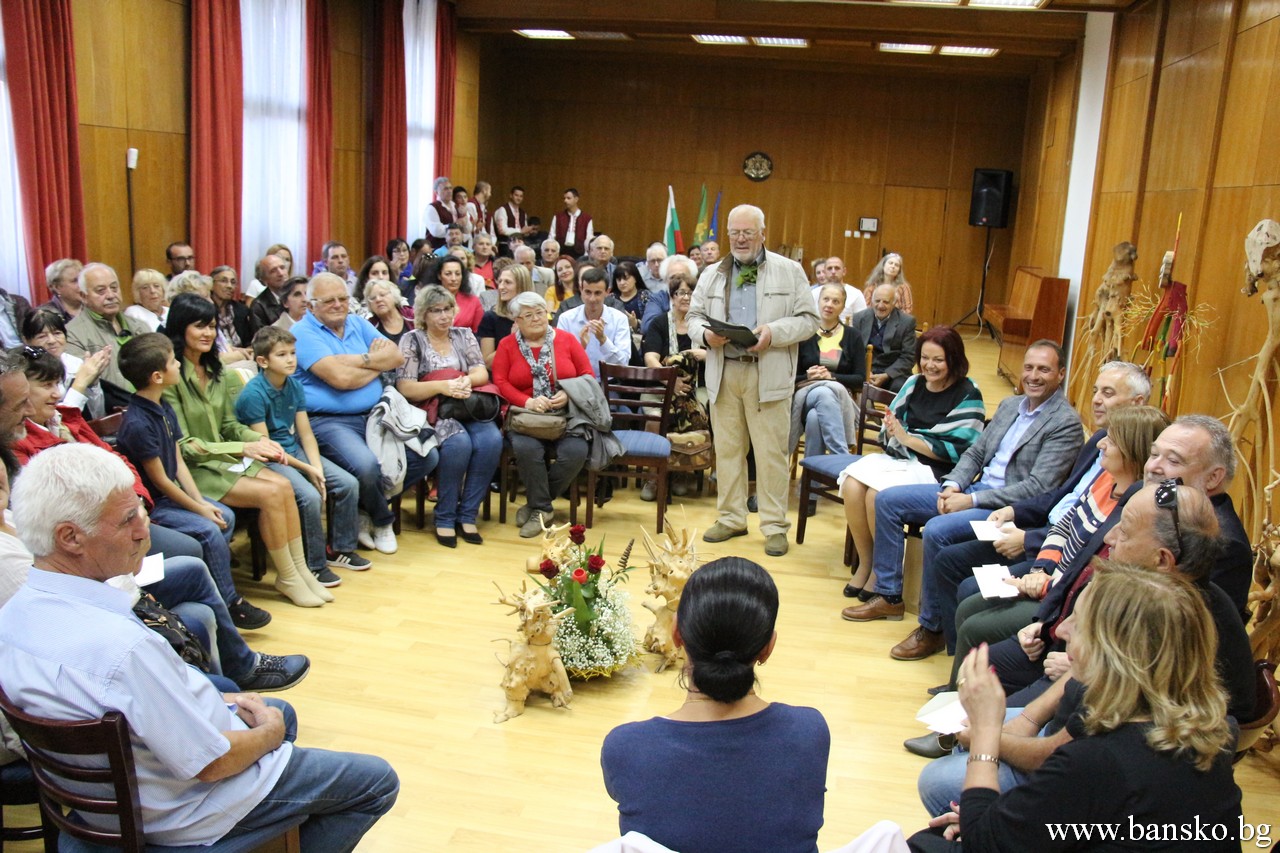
{"x":876,"y":608}
{"x":920,"y":644}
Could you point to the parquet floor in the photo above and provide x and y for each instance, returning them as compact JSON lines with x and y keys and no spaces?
{"x":405,"y":666}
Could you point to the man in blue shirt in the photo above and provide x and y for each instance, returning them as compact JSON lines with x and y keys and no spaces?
{"x":208,"y":765}
{"x":340,"y":361}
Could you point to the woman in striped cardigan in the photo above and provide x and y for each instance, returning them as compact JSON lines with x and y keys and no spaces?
{"x":936,"y":416}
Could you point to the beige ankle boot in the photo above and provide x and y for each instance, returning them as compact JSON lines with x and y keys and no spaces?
{"x":290,"y":583}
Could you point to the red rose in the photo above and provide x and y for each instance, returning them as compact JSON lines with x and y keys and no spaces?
{"x":577,"y":534}
{"x":595,"y":563}
{"x":549,"y":569}
{"x":580,"y":575}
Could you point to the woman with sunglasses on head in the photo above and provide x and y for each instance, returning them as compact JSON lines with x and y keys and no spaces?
{"x":46,"y":331}
{"x":1151,"y":748}
{"x":727,"y":770}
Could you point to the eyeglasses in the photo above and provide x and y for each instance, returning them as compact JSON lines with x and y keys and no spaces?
{"x":1167,"y":498}
{"x":533,"y":315}
{"x":745,"y":233}
{"x":224,"y":280}
{"x":442,"y":309}
{"x":330,"y":302}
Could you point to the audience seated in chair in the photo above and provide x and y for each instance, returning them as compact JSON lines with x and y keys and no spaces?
{"x":209,"y":765}
{"x":830,"y":369}
{"x":891,"y":332}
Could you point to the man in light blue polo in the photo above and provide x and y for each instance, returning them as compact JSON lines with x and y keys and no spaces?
{"x":209,"y":765}
{"x":340,"y":358}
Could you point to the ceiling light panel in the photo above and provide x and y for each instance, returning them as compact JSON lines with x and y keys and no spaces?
{"x":712,"y":39}
{"x":776,"y":41}
{"x":1005,"y":4}
{"x":900,"y":47}
{"x":600,"y":36}
{"x":959,"y":50}
{"x":545,"y":34}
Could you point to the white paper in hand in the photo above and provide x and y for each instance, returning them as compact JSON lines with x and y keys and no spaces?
{"x":987,"y":531}
{"x":943,"y":714}
{"x":991,"y":582}
{"x":152,"y":570}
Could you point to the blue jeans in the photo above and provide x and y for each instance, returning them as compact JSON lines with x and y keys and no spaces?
{"x":187,"y":580}
{"x":171,"y":543}
{"x":346,"y":508}
{"x":467,"y":462}
{"x":200,"y":622}
{"x":214,"y":543}
{"x":942,"y":780}
{"x":339,"y":795}
{"x":824,"y":422}
{"x":341,"y":439}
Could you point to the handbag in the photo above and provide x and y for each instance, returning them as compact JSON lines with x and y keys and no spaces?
{"x":482,"y":405}
{"x":544,"y":426}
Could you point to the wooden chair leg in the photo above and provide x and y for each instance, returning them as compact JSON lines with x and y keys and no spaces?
{"x":591,"y":502}
{"x":663,"y":485}
{"x":422,"y":504}
{"x":395,"y":510}
{"x":806,"y":485}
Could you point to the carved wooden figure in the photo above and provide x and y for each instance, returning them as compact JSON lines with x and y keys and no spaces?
{"x":554,"y":546}
{"x":670,"y":565}
{"x":1110,"y":300}
{"x":1262,"y":272}
{"x":534,"y":664}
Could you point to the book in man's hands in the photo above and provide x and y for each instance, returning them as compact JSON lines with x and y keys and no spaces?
{"x":740,"y":335}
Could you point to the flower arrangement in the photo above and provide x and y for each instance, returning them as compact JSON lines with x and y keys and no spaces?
{"x":597,"y":638}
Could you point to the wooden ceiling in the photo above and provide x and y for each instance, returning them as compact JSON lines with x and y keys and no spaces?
{"x":841,"y":33}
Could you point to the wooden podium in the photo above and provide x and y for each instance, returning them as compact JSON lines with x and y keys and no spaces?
{"x":1037,"y":309}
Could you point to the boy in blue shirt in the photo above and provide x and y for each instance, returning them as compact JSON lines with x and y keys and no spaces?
{"x":274,"y":404}
{"x":148,"y":436}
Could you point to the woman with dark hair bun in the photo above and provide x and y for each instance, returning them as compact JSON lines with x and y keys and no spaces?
{"x":726,"y":771}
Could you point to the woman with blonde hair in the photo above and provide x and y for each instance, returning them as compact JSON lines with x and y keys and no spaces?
{"x":497,"y":322}
{"x":150,"y":306}
{"x":1152,"y":752}
{"x":889,"y":271}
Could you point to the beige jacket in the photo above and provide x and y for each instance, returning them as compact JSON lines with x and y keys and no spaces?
{"x":783,"y":302}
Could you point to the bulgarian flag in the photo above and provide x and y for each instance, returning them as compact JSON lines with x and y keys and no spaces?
{"x":671,"y":232}
{"x":700,"y":232}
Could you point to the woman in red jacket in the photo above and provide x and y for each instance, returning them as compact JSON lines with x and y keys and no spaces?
{"x":526,"y":368}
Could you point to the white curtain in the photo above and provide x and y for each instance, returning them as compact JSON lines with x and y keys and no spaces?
{"x":275,"y":132}
{"x":13,"y":244}
{"x":420,"y":90}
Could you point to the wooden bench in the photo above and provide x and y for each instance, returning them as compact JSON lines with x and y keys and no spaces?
{"x":1037,"y":308}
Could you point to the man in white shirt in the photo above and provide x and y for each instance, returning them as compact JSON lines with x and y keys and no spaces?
{"x":572,"y":227}
{"x":481,"y":221}
{"x":853,"y":298}
{"x":510,"y":220}
{"x":604,"y":332}
{"x":440,"y":212}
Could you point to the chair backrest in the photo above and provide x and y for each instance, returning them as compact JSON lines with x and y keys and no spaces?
{"x":1267,"y":703}
{"x":107,"y":425}
{"x":624,"y":387}
{"x":51,"y":746}
{"x":871,"y":408}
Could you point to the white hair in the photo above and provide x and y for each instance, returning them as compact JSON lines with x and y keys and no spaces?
{"x":67,"y":483}
{"x":58,"y":269}
{"x":749,"y":210}
{"x":442,"y":181}
{"x":551,"y":241}
{"x":521,"y":301}
{"x":690,"y":267}
{"x":524,"y":250}
{"x":1136,"y":379}
{"x":397,"y":295}
{"x":318,"y":278}
{"x":190,"y":281}
{"x":654,"y":249}
{"x":88,"y":268}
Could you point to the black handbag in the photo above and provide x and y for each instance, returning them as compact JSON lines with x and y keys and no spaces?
{"x":480,"y":406}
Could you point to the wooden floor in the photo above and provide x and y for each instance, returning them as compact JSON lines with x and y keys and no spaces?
{"x":405,"y":666}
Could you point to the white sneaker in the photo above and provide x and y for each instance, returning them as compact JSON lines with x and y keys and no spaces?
{"x":364,"y":536}
{"x":384,"y":539}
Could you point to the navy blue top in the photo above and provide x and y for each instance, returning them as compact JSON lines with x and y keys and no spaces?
{"x":150,"y":430}
{"x":754,"y":783}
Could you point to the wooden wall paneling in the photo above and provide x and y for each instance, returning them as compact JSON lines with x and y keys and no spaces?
{"x":99,"y":30}
{"x":160,"y":197}
{"x":467,"y":110}
{"x":348,"y":223}
{"x":1124,"y":143}
{"x":106,"y":219}
{"x":1252,"y":108}
{"x":1032,"y":143}
{"x":1112,"y":222}
{"x":1195,"y":25}
{"x":1254,"y":12}
{"x":158,"y":56}
{"x":1184,"y":125}
{"x":1136,"y":41}
{"x":347,"y":21}
{"x":915,"y":225}
{"x":347,"y":200}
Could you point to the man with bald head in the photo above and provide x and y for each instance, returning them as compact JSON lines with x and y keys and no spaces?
{"x":341,"y":358}
{"x":542,"y":276}
{"x":751,"y":386}
{"x":273,"y":272}
{"x":891,"y":333}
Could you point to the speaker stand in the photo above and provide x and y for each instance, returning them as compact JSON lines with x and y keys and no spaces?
{"x":976,"y":311}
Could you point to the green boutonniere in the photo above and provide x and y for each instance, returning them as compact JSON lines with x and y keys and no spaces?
{"x":746,"y":275}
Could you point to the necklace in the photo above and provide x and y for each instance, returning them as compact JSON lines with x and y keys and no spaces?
{"x":827,"y":332}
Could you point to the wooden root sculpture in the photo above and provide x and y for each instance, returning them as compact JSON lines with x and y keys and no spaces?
{"x":1111,"y":300}
{"x":670,"y":564}
{"x":534,"y":664}
{"x":1262,"y":272}
{"x":554,"y":546}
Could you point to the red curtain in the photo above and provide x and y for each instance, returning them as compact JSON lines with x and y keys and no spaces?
{"x":446,"y":71}
{"x":319,"y":126}
{"x":216,"y":130}
{"x":388,"y":180}
{"x":42,"y":85}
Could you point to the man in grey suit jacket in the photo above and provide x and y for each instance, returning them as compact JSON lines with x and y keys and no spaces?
{"x":892,"y":335}
{"x":1028,"y":448}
